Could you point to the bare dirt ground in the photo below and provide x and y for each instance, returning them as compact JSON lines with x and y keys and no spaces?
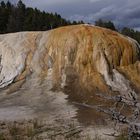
{"x":36,"y":112}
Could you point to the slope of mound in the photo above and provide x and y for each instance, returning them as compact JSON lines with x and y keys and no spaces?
{"x":38,"y":69}
{"x":83,"y":57}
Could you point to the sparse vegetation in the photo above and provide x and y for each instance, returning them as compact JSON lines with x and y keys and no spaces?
{"x":38,"y":130}
{"x":122,"y":136}
{"x":35,"y":129}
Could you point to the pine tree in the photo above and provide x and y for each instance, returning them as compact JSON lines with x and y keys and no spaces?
{"x":105,"y":24}
{"x":3,"y":17}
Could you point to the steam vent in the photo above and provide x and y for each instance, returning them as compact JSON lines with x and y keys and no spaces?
{"x":46,"y":75}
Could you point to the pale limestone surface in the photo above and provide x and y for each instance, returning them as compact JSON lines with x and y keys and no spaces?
{"x":83,"y":57}
{"x":85,"y":49}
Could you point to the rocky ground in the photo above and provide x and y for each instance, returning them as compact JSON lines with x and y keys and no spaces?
{"x":38,"y":113}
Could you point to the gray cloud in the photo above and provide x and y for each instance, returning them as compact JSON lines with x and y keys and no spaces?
{"x":121,"y":12}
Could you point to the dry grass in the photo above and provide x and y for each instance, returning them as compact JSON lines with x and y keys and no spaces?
{"x":37,"y":130}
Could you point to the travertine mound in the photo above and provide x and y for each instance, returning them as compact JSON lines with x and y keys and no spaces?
{"x":83,"y":57}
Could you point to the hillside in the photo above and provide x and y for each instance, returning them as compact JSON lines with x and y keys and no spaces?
{"x":75,"y":62}
{"x":83,"y":53}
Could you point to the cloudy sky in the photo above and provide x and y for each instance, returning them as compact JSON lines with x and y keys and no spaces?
{"x":121,"y":12}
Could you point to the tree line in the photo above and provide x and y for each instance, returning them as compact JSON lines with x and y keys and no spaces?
{"x":15,"y":18}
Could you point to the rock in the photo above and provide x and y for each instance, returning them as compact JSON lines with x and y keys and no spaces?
{"x":81,"y":57}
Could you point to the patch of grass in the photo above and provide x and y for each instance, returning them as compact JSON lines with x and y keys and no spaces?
{"x":34,"y":129}
{"x":122,"y":137}
{"x":2,"y":137}
{"x":97,"y":137}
